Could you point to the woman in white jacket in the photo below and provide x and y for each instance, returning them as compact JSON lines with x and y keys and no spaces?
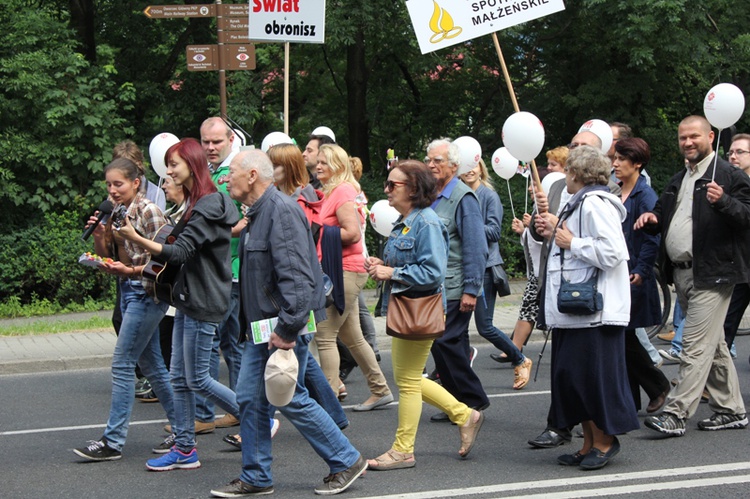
{"x":589,"y":377}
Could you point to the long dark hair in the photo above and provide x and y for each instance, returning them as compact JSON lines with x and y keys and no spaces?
{"x":191,"y":151}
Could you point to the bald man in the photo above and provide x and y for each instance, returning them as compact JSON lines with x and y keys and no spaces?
{"x":703,"y":216}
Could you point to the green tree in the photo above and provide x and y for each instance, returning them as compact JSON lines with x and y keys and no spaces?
{"x":59,"y":115}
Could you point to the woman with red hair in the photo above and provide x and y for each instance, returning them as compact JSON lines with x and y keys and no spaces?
{"x":201,"y":294}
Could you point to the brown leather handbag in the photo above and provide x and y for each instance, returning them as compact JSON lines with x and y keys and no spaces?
{"x":420,"y":318}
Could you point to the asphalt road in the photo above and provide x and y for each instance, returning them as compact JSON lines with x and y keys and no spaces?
{"x":44,"y":416}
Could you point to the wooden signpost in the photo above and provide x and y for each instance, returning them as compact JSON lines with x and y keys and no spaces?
{"x":234,"y":52}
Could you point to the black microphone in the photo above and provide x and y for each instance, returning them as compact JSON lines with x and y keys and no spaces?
{"x":105,"y":210}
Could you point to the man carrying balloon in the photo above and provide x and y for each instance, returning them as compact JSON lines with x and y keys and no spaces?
{"x":704,"y":219}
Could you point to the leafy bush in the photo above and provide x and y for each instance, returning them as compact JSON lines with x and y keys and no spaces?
{"x":39,"y":265}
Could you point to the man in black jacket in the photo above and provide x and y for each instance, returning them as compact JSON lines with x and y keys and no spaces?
{"x":704,"y":218}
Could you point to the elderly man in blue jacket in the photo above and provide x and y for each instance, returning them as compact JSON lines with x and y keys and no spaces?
{"x":279,"y":277}
{"x":459,"y":210}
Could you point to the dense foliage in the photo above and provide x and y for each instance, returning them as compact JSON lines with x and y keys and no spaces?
{"x":80,"y":75}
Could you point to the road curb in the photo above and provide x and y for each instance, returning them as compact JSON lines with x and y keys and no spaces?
{"x":52,"y":365}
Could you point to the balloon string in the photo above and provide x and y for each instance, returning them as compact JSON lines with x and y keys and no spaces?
{"x":526,"y":199}
{"x":510,"y":196}
{"x":716,"y":155}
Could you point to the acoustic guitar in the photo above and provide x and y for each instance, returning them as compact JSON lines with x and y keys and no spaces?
{"x":163,"y":274}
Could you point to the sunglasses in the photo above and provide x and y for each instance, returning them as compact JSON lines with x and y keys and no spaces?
{"x":391,"y":184}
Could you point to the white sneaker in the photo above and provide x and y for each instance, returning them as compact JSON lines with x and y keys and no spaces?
{"x":275,"y":424}
{"x":670,"y":356}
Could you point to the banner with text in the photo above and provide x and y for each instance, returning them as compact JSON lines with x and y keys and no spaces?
{"x":442,"y":23}
{"x":300,"y":21}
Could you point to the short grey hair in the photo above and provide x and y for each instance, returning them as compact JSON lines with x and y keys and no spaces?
{"x":259,"y":161}
{"x":452,"y":149}
{"x":589,"y":165}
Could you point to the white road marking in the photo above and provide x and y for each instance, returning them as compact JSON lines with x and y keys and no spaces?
{"x":595,"y":479}
{"x":164,"y":421}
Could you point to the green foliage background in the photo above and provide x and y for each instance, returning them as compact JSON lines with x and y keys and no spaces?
{"x":79,"y":76}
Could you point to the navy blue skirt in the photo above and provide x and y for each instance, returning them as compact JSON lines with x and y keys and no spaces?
{"x":590,"y":380}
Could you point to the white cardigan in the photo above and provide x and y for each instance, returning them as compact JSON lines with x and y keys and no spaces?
{"x":597,"y":242}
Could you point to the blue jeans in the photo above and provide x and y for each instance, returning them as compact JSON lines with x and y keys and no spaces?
{"x":227,"y":340}
{"x":191,"y":360}
{"x":308,"y":417}
{"x":678,"y":320}
{"x":138,"y":342}
{"x":483,"y":315}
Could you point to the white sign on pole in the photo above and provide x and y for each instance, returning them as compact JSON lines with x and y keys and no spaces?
{"x":442,"y":23}
{"x":299,"y":21}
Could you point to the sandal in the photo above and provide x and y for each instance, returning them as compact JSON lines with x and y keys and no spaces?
{"x":522,"y":373}
{"x":392,"y":460}
{"x":233,"y":440}
{"x":469,"y":432}
{"x":342,"y":392}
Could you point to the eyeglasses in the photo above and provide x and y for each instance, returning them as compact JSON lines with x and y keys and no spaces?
{"x":389,"y":185}
{"x":737,"y":152}
{"x":437,"y":160}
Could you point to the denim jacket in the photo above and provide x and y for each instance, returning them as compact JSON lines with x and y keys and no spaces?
{"x":417,"y":249}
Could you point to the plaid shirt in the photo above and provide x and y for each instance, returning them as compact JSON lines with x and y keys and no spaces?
{"x":146,"y":219}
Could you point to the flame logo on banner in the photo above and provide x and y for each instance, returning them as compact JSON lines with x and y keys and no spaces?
{"x":441,"y":23}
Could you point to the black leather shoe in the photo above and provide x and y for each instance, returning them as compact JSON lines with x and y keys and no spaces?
{"x":548,"y":439}
{"x":503,"y":359}
{"x":597,"y":459}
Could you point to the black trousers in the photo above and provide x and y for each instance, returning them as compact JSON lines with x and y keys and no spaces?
{"x":450,"y":353}
{"x":738,"y":304}
{"x":641,"y":370}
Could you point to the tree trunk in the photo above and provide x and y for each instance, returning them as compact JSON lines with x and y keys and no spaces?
{"x":356,"y":99}
{"x":82,"y":20}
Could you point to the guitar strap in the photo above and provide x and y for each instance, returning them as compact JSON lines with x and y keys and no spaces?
{"x":176,"y":231}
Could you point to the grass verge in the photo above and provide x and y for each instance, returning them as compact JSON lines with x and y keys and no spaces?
{"x":57,"y":326}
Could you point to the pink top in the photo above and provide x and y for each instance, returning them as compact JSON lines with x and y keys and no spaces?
{"x":353,"y":255}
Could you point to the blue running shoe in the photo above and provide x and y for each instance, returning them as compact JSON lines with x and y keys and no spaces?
{"x":174,"y":460}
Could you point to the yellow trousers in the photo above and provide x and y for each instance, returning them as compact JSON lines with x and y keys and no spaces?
{"x":409,"y":358}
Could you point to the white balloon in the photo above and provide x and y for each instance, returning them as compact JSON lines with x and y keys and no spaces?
{"x":239,"y":140}
{"x":274,"y":139}
{"x":324,"y":130}
{"x":469,"y":153}
{"x":504,"y":164}
{"x":523,"y":135}
{"x":550,"y":179}
{"x":382,"y":217}
{"x":724,"y":105}
{"x":602,"y":130}
{"x":158,"y":148}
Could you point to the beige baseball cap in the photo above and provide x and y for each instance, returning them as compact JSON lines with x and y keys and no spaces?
{"x":281,"y":377}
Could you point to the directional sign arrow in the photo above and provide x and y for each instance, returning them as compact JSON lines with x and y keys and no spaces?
{"x":177,"y":11}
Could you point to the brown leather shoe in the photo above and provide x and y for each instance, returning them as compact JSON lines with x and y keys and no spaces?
{"x":655,"y":404}
{"x":201,"y":428}
{"x":666,"y":336}
{"x":227,"y":421}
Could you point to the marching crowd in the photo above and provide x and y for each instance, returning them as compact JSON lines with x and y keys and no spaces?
{"x":279,"y":234}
